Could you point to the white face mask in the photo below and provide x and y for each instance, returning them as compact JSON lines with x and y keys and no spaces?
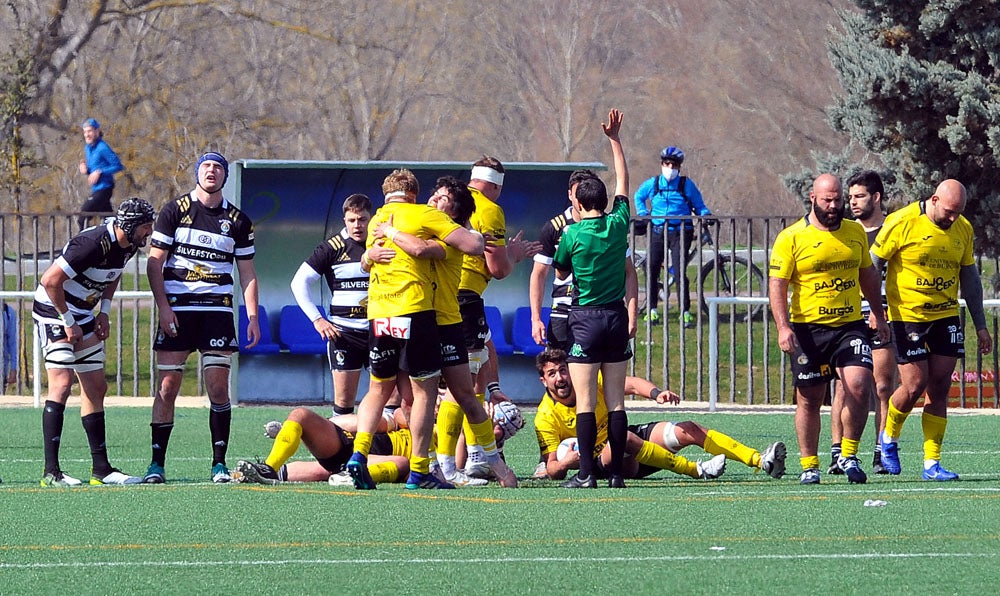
{"x":670,"y":173}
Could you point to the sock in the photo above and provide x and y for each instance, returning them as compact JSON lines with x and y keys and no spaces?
{"x":586,"y":438}
{"x":161,"y":436}
{"x":483,"y":433}
{"x":449,"y":426}
{"x":220,"y":419}
{"x":718,"y":443}
{"x":617,"y":436}
{"x":835,"y":452}
{"x":933,"y":435}
{"x":653,"y":455}
{"x":286,"y":443}
{"x":894,"y":420}
{"x":52,"y":424}
{"x":341,"y":410}
{"x":877,"y":455}
{"x":849,"y":447}
{"x":470,"y":437}
{"x":809,"y":463}
{"x":363,"y":443}
{"x":93,"y":425}
{"x":384,"y":472}
{"x":420,"y":465}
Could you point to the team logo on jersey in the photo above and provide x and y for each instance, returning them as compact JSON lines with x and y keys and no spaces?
{"x":205,"y":239}
{"x":112,"y":275}
{"x":803,"y":359}
{"x":225,"y":226}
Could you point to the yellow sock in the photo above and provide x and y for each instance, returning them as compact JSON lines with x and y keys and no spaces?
{"x":449,"y":427}
{"x":384,"y":472}
{"x":849,"y":447}
{"x":363,"y":443}
{"x":809,"y":463}
{"x":470,"y":437}
{"x":894,"y":420}
{"x":652,"y":454}
{"x":483,"y":432}
{"x":285,"y":444}
{"x":718,"y":443}
{"x":420,"y":465}
{"x":933,"y":435}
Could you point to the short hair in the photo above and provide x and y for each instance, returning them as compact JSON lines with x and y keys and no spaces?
{"x":402,"y":180}
{"x":465,"y":205}
{"x":549,"y":356}
{"x":357,"y":203}
{"x":592,"y":194}
{"x":577,"y":175}
{"x":870,"y":180}
{"x":487,"y":161}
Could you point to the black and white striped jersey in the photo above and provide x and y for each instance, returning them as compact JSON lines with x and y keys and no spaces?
{"x":93,"y":260}
{"x":552,"y":231}
{"x":338,"y":260}
{"x":202,"y":244}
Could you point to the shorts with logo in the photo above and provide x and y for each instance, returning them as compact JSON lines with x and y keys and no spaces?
{"x":599,"y":334}
{"x":349,"y":350}
{"x":453,"y":350}
{"x":557,"y":331}
{"x":51,"y":333}
{"x":823,"y":349}
{"x":418,"y":353}
{"x":917,"y":341}
{"x":873,"y":334}
{"x":473,"y":310}
{"x":205,"y":331}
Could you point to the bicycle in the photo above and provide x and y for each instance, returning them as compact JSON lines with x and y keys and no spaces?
{"x":721,"y":274}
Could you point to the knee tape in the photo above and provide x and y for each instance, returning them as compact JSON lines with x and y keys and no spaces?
{"x":177,"y":368}
{"x":670,"y":438}
{"x":215,"y":360}
{"x":59,"y":355}
{"x":477,"y":358}
{"x":90,"y":359}
{"x":62,"y":355}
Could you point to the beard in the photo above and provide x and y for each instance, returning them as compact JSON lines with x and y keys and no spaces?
{"x":865,"y":212}
{"x":830,"y":219}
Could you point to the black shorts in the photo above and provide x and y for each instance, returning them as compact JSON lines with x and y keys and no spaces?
{"x":453,"y":350}
{"x":557,"y":331}
{"x":473,"y":310}
{"x":644,"y":431}
{"x":205,"y":331}
{"x":419,"y":353}
{"x":99,"y":201}
{"x":349,"y":350}
{"x":873,"y":335}
{"x":381,"y":445}
{"x":599,"y":334}
{"x":52,"y":333}
{"x":917,"y":341}
{"x":822,"y":349}
{"x":337,"y":462}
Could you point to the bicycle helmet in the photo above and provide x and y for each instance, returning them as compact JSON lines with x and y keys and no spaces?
{"x":673,"y":154}
{"x":133,"y":213}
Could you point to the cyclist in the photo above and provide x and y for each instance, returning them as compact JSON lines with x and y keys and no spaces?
{"x":664,"y":195}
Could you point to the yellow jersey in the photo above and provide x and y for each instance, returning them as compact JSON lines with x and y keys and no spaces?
{"x":488,"y":218}
{"x":822,"y":268}
{"x":556,"y":422}
{"x":922,"y":263}
{"x":449,"y":273}
{"x":405,"y":285}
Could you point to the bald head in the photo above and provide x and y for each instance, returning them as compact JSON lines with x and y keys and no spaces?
{"x":827,"y":201}
{"x":947,"y":203}
{"x":826,"y":183}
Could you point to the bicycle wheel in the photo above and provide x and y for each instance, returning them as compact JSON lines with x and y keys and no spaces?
{"x":733,"y":276}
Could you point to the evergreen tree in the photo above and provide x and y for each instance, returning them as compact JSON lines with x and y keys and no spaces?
{"x":922,"y":91}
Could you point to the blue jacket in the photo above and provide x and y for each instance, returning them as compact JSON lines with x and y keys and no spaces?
{"x":100,"y":156}
{"x":9,"y":340}
{"x":669,"y":201}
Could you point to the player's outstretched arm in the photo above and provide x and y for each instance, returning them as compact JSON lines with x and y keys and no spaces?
{"x":611,"y":129}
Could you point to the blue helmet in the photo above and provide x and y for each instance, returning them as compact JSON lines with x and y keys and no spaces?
{"x":673,"y":154}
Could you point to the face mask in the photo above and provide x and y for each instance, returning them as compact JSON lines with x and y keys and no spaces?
{"x":670,"y":173}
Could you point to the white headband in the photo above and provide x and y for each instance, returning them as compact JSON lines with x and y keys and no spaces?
{"x":397,"y":193}
{"x":487,"y":174}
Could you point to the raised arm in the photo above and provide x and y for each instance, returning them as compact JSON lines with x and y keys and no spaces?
{"x":611,"y":129}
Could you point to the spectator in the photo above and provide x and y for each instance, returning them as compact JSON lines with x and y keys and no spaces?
{"x":100,"y":164}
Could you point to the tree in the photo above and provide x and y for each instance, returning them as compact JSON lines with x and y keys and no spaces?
{"x":922,"y":92}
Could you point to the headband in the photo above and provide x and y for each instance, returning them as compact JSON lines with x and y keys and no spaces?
{"x":396,"y":193}
{"x":487,"y":174}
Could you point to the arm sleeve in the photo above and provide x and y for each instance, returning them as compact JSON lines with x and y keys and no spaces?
{"x":110,"y":164}
{"x":641,"y":196}
{"x":972,"y":291}
{"x":697,"y":201}
{"x":305,"y":277}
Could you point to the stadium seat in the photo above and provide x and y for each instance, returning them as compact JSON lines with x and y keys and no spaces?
{"x":495,"y":322}
{"x":521,"y":337}
{"x":296,"y":332}
{"x":265,"y":345}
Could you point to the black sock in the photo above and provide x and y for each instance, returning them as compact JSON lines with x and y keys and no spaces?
{"x":835,"y":451}
{"x":93,"y":425}
{"x":52,"y":425}
{"x":161,"y":436}
{"x":617,"y":436}
{"x":586,"y":437}
{"x":219,"y":420}
{"x":877,"y":456}
{"x":341,"y":410}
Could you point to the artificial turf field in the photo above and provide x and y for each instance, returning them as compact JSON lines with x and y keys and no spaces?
{"x":743,"y":533}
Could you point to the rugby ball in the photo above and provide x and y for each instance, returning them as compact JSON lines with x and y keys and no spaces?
{"x":565,"y":447}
